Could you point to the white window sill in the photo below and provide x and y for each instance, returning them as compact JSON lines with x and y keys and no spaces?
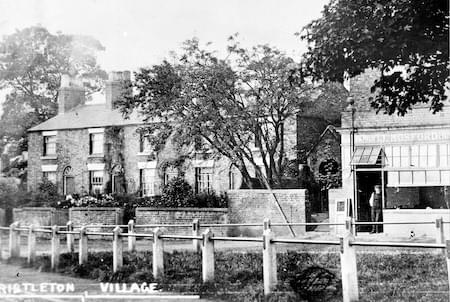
{"x":48,"y":157}
{"x":95,"y":155}
{"x":145,"y":153}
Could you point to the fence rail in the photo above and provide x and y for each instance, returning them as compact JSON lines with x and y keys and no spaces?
{"x":204,"y":242}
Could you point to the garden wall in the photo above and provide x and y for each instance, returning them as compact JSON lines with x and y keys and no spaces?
{"x":40,"y":216}
{"x":96,"y":216}
{"x":182,"y":216}
{"x":253,"y":206}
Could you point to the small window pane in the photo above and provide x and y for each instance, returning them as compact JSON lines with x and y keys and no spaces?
{"x":404,"y":153}
{"x":433,"y":177}
{"x":405,"y":177}
{"x":396,"y":156}
{"x":392,"y":178}
{"x":388,"y":153}
{"x":445,"y":178}
{"x":432,"y":155}
{"x":443,"y":155}
{"x":423,"y":155}
{"x":415,"y":156}
{"x":419,"y":177}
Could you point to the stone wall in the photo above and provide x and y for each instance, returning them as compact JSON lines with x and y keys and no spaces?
{"x":145,"y":216}
{"x":96,"y":216}
{"x":40,"y":216}
{"x":253,"y":206}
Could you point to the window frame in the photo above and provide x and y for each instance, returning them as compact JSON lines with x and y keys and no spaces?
{"x":147,"y":187}
{"x":203,"y":180}
{"x":93,"y":143}
{"x":93,"y":185}
{"x":46,"y":144}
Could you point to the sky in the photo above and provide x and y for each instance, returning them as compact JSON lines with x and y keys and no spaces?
{"x":139,"y":33}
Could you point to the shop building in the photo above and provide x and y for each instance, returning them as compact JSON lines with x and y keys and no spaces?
{"x":409,"y":156}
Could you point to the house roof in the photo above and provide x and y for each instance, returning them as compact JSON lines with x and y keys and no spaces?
{"x":329,"y":128}
{"x":88,"y":116}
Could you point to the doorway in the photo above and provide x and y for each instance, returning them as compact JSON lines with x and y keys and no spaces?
{"x":365,"y":182}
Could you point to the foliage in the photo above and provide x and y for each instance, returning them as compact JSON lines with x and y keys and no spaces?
{"x":406,"y":40}
{"x":230,"y":105}
{"x":382,"y":276}
{"x":32,"y":61}
{"x":177,"y":193}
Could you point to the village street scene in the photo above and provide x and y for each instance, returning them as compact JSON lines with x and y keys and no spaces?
{"x":224,"y":150}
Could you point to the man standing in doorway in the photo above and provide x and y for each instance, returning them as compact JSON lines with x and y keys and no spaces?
{"x":375,"y":203}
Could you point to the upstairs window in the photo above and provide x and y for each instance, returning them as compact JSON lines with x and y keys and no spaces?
{"x":96,"y":143}
{"x":144,"y":146}
{"x":49,"y":145}
{"x":203,"y":180}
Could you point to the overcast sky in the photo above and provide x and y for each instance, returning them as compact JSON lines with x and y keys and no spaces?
{"x":142,"y":32}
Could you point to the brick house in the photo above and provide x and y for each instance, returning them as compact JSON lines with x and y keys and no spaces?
{"x":91,"y":148}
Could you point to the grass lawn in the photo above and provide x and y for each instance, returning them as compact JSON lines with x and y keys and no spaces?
{"x":314,"y":276}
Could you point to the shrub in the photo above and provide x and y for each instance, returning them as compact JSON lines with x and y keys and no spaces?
{"x":177,"y":193}
{"x":210,"y":200}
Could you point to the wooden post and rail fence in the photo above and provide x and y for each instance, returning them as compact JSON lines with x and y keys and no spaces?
{"x":204,"y":242}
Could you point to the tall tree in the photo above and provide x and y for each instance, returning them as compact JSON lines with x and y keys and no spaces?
{"x":232,"y":104}
{"x":32,"y":61}
{"x":407,"y":40}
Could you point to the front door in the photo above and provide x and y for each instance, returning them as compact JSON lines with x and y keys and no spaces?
{"x":69,"y":185}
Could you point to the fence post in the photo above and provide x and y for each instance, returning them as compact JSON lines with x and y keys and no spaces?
{"x":207,"y":256}
{"x":158,"y":254}
{"x":31,"y":255}
{"x":269,"y":262}
{"x":196,"y":232}
{"x":131,"y":239}
{"x":440,"y":236}
{"x":55,"y":248}
{"x":447,"y":247}
{"x":117,"y":249}
{"x":14,"y":241}
{"x":83,"y":248}
{"x":349,"y":272}
{"x":266,"y":224}
{"x":70,"y":238}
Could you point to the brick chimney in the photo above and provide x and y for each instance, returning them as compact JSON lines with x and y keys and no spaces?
{"x":71,"y":94}
{"x":114,"y":86}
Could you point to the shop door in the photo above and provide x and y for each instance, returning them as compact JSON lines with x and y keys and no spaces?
{"x":365,"y":183}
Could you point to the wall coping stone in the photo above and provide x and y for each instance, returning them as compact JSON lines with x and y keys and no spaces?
{"x":37,"y":208}
{"x":265,"y":191}
{"x":94,"y":209}
{"x":182,"y":209}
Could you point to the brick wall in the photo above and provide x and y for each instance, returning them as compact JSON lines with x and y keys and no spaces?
{"x":96,"y":216}
{"x":182,"y":216}
{"x":253,"y":206}
{"x":40,"y":216}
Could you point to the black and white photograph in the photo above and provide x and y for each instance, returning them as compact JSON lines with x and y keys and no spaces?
{"x":224,"y":150}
